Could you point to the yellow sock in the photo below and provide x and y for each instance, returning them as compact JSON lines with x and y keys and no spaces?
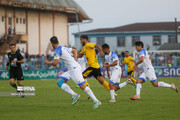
{"x":86,"y":83}
{"x":106,"y":85}
{"x":133,"y":79}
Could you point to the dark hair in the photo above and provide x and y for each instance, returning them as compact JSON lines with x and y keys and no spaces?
{"x":105,"y":46}
{"x":54,"y":40}
{"x":139,"y":43}
{"x":13,"y":44}
{"x":127,"y":51}
{"x":84,"y":37}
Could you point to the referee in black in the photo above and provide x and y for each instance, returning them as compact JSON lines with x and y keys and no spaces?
{"x":15,"y":72}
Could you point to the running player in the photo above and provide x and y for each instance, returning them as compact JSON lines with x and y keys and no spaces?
{"x":149,"y":72}
{"x":94,"y":68}
{"x":112,"y":62}
{"x":129,"y":61}
{"x":15,"y":61}
{"x":74,"y":69}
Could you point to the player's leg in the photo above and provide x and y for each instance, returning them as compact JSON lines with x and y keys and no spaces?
{"x":11,"y":81}
{"x":12,"y":78}
{"x":130,"y":76}
{"x":77,"y":77}
{"x":87,"y":73}
{"x":61,"y":82}
{"x":140,"y":80}
{"x":155,"y":83}
{"x":97,"y":74}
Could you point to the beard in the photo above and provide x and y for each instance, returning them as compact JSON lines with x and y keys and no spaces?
{"x":83,"y":43}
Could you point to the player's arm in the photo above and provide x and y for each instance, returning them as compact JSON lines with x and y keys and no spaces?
{"x":110,"y":65}
{"x":21,"y":59}
{"x":139,"y":62}
{"x":80,"y":55}
{"x":74,"y":52}
{"x":99,"y":49}
{"x":107,"y":69}
{"x":7,"y":65}
{"x":53,"y":63}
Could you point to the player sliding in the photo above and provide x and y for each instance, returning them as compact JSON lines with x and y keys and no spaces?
{"x":112,"y":62}
{"x":74,"y":70}
{"x":149,"y":72}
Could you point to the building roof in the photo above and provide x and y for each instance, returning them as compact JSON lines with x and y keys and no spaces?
{"x":170,"y":46}
{"x":136,"y":27}
{"x":69,"y":7}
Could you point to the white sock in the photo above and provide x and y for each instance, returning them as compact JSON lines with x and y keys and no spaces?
{"x":163,"y":84}
{"x":67,"y":89}
{"x":138,"y":89}
{"x":89,"y":92}
{"x":123,"y":84}
{"x":112,"y":92}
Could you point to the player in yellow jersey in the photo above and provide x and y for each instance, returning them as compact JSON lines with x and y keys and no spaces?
{"x":129,"y":61}
{"x":94,"y":69}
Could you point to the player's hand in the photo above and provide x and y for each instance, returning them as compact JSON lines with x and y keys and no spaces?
{"x":14,"y":61}
{"x":6,"y":67}
{"x":46,"y":61}
{"x":104,"y":65}
{"x":134,"y":67}
{"x":101,"y":53}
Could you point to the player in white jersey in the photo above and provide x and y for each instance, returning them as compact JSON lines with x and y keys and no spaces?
{"x":112,"y":62}
{"x":83,"y":63}
{"x":74,"y":69}
{"x":149,"y":72}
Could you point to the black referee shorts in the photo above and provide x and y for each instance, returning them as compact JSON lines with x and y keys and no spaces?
{"x":16,"y":74}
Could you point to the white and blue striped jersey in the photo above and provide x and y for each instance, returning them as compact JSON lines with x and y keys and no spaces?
{"x":64,"y":54}
{"x":147,"y":60}
{"x":111,"y":58}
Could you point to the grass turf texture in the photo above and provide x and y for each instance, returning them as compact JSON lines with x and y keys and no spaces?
{"x":51,"y":103}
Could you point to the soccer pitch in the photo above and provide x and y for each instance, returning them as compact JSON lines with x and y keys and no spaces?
{"x":51,"y":103}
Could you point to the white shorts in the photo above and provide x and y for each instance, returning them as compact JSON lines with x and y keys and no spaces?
{"x":75,"y":74}
{"x":65,"y":75}
{"x":115,"y":76}
{"x":148,"y":73}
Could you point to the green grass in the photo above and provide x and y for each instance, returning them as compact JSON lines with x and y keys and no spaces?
{"x":51,"y":103}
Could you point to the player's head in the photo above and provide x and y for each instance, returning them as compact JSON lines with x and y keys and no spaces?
{"x":127,"y":54}
{"x":84,"y":39}
{"x":105,"y":48}
{"x":54,"y":41}
{"x":139,"y":45}
{"x":12,"y":47}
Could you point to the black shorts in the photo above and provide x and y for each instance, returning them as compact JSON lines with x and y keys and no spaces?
{"x":16,"y":74}
{"x":90,"y":71}
{"x":131,"y":73}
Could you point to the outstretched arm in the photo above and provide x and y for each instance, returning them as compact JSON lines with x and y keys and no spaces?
{"x":74,"y":52}
{"x":99,"y":49}
{"x":54,"y":62}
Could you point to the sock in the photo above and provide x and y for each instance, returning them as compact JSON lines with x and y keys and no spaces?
{"x":89,"y":92}
{"x":14,"y":85}
{"x":67,"y":89}
{"x":163,"y":84}
{"x":134,"y":81}
{"x":106,"y":85}
{"x":123,"y":84}
{"x":112,"y":94}
{"x":86,"y":83}
{"x":138,"y":89}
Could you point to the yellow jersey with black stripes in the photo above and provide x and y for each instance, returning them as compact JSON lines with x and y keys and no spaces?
{"x":90,"y":54}
{"x":129,"y":62}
